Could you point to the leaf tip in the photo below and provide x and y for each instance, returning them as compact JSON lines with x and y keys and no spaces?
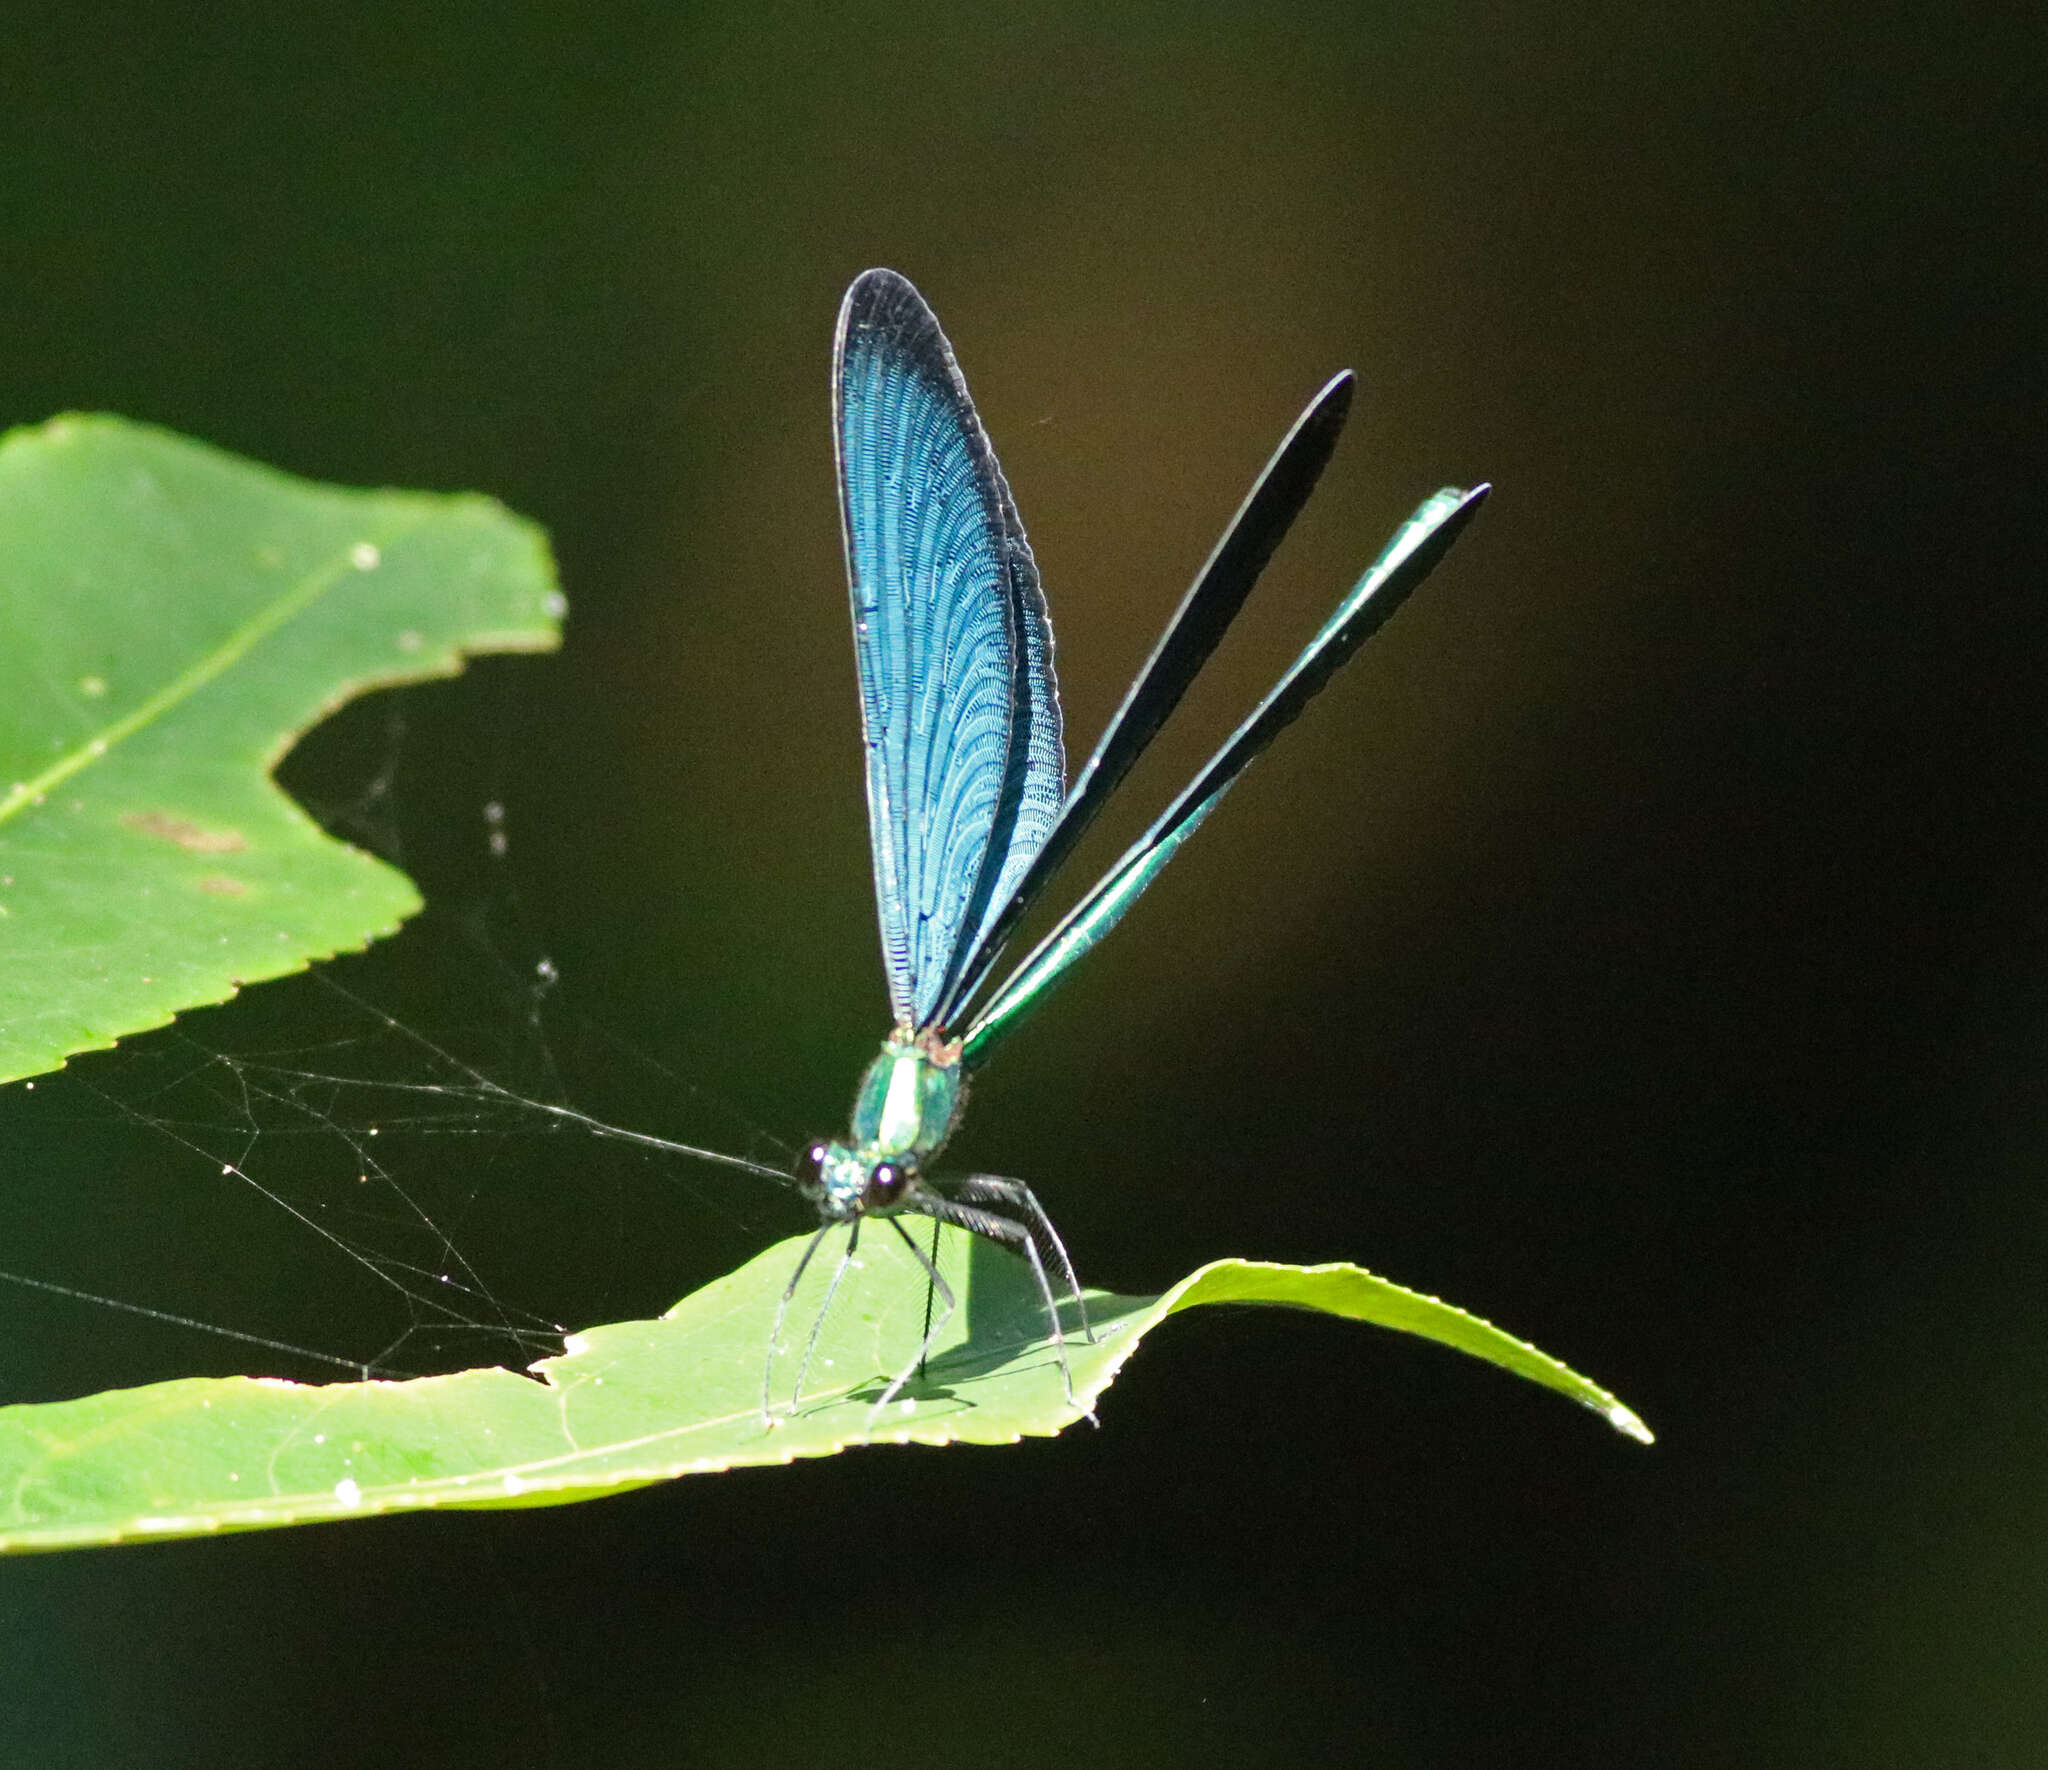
{"x":1626,"y":1421}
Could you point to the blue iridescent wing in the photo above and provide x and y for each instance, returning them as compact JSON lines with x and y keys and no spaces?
{"x":958,"y":702}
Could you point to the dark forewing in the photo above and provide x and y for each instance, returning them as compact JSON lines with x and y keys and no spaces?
{"x":1404,"y":562}
{"x":1198,"y":625}
{"x":958,"y":703}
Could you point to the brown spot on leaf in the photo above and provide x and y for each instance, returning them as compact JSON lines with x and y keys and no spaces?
{"x":193,"y":838}
{"x":222,"y":886}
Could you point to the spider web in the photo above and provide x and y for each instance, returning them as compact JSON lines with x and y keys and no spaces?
{"x":377,"y":1169}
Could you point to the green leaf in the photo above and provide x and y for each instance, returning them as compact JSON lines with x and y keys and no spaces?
{"x":645,"y":1401}
{"x":174,"y":618}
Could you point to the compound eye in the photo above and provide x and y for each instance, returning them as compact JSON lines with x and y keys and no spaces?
{"x":886,"y":1181}
{"x":810,"y":1167}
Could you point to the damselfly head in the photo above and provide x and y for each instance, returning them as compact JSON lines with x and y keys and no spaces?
{"x":846,"y":1182}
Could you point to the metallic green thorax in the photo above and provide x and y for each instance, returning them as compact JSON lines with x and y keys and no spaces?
{"x":910,"y":1099}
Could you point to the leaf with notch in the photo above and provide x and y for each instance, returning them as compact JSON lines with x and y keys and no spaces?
{"x":172,"y":618}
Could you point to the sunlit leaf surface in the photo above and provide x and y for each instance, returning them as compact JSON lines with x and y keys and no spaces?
{"x":644,"y":1401}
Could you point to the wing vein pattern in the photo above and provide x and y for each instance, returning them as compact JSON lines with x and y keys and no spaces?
{"x":959,"y":707}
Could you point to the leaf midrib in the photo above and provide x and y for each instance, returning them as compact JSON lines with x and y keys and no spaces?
{"x":197,"y":675}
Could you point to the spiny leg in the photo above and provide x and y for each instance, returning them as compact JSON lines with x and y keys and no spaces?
{"x":929,"y":1293}
{"x":978,"y":1189}
{"x":781,"y":1314}
{"x":992,"y":1226}
{"x":825,"y":1309}
{"x":945,"y":1294}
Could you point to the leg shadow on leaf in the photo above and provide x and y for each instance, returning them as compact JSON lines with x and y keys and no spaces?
{"x":1000,"y":1335}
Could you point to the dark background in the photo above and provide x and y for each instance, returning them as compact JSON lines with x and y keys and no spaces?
{"x":1642,"y":944}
